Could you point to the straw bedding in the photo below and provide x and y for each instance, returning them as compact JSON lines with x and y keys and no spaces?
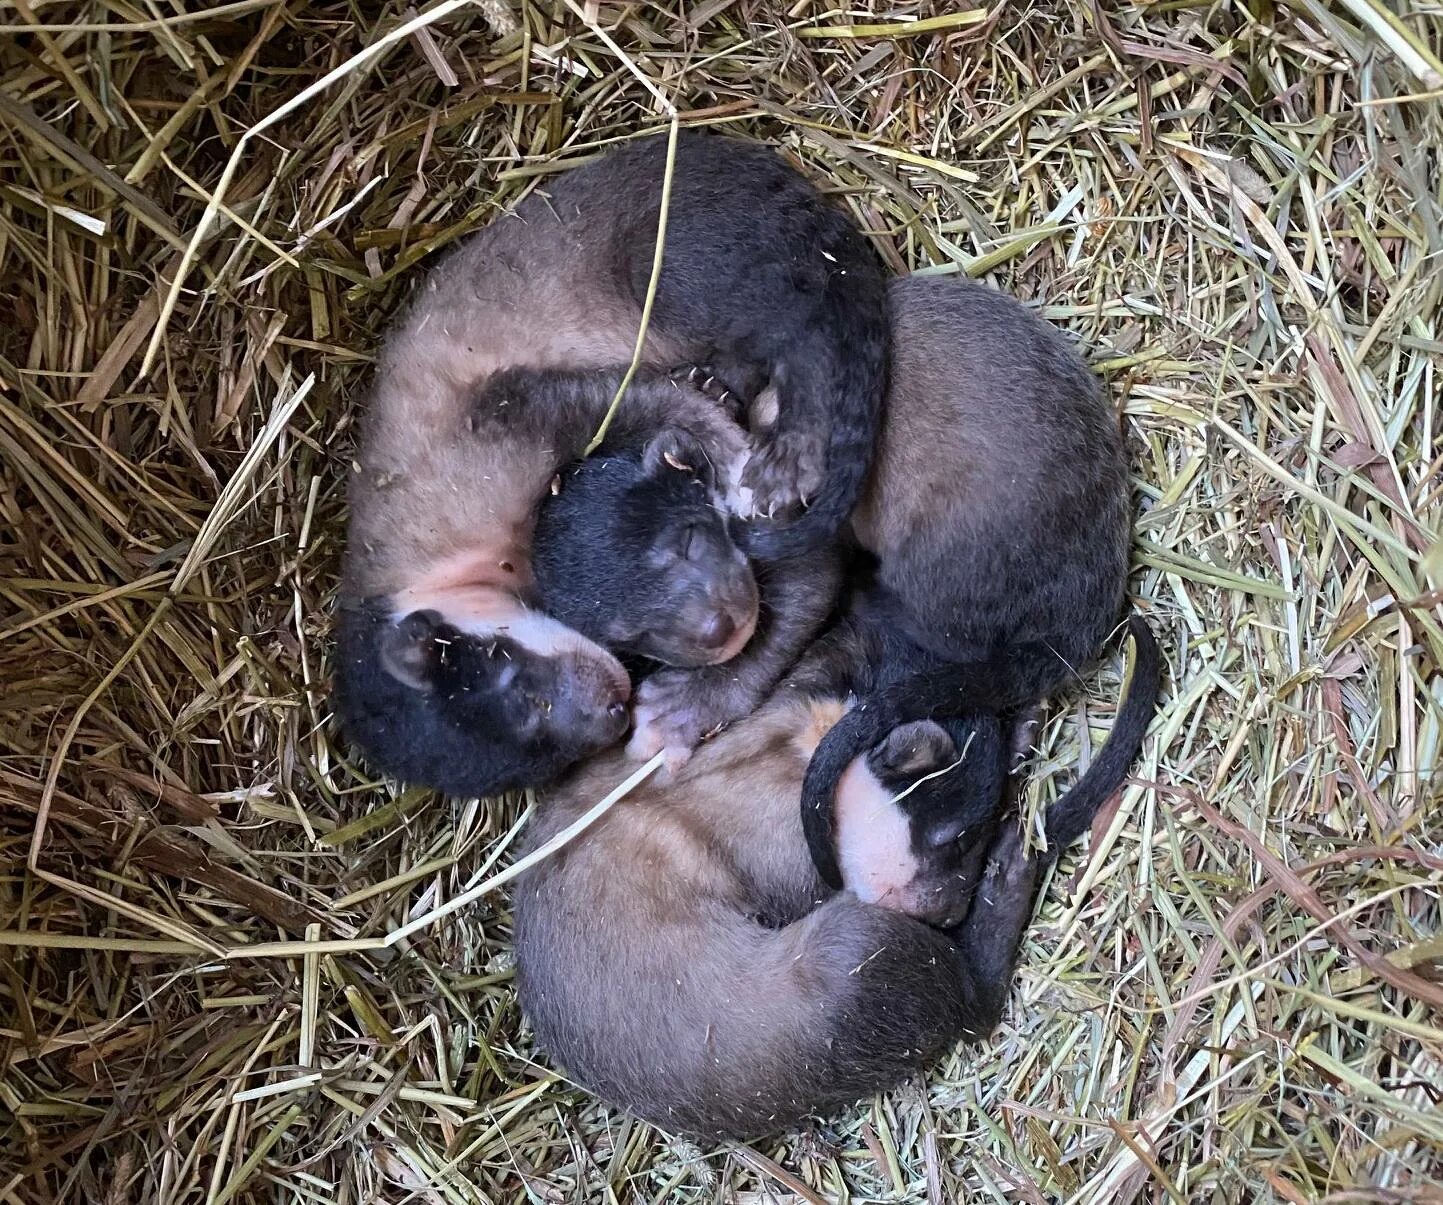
{"x":228,"y":972}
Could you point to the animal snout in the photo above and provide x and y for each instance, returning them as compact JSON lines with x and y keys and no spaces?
{"x":942,"y":906}
{"x":614,"y":695}
{"x":603,"y":720}
{"x":595,"y":699}
{"x":950,"y":918}
{"x":715,"y":630}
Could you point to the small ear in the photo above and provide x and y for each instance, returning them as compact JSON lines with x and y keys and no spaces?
{"x":674,"y":450}
{"x":913,"y":749}
{"x":409,"y":650}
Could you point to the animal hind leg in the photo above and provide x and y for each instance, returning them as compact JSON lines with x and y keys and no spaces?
{"x":989,"y":938}
{"x":567,"y":406}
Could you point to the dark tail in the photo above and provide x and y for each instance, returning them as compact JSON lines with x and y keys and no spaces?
{"x":998,"y":684}
{"x":1072,"y":815}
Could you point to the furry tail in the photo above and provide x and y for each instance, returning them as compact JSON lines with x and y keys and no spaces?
{"x":1071,"y":816}
{"x":998,"y":684}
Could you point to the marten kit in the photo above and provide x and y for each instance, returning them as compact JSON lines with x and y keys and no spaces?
{"x":843,"y":536}
{"x":500,"y":373}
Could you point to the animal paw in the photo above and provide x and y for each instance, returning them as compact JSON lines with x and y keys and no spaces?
{"x":1024,"y":732}
{"x":680,"y":448}
{"x":702,"y":441}
{"x":706,"y":381}
{"x":675,"y":709}
{"x":786,"y":472}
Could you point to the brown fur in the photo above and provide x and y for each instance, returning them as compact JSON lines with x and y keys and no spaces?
{"x":681,"y":958}
{"x":431,"y":482}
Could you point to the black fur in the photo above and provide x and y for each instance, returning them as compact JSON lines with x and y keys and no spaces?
{"x":780,"y":284}
{"x":775,"y":285}
{"x":635,"y":554}
{"x":494,"y":718}
{"x":949,"y":775}
{"x":948,"y":778}
{"x":945,"y":691}
{"x":632,"y":551}
{"x":1070,"y":816}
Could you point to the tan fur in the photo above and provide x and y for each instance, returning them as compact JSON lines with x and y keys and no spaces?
{"x":682,"y":960}
{"x":685,"y":860}
{"x":935,"y":439}
{"x":744,"y":781}
{"x":428,"y":489}
{"x":821,"y":716}
{"x":874,"y":841}
{"x":964,"y":440}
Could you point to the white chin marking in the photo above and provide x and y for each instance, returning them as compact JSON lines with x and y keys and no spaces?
{"x":874,"y":837}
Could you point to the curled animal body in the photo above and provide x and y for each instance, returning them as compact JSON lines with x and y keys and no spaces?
{"x":499,"y":374}
{"x":998,"y":515}
{"x":682,"y":959}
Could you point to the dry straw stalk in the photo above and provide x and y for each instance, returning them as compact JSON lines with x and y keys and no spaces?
{"x":230,"y":970}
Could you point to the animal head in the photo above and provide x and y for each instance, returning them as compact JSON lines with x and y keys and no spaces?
{"x":916,"y":813}
{"x":474,"y":712}
{"x":633,"y":551}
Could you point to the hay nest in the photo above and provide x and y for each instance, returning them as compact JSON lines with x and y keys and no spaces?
{"x":230,"y":968}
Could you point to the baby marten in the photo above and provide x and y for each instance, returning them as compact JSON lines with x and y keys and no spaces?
{"x":998,"y":513}
{"x":500,"y":374}
{"x":682,"y":959}
{"x":996,"y":520}
{"x":634,"y":552}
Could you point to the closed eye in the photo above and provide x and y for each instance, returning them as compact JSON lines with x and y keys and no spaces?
{"x":692,"y":545}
